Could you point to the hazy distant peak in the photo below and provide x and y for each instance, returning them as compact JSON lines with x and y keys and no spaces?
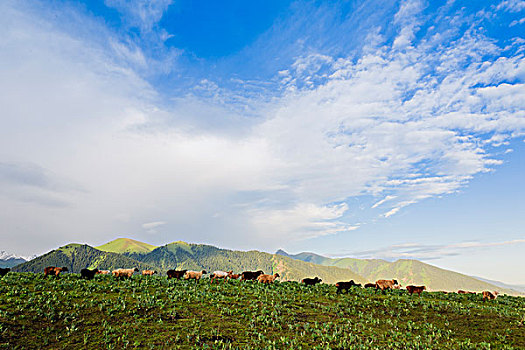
{"x":6,"y":256}
{"x":281,"y":252}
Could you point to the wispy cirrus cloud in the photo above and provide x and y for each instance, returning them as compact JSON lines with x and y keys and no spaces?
{"x":428,"y":251}
{"x":143,"y":14}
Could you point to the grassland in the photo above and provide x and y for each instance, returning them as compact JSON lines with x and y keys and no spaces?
{"x":105,"y":313}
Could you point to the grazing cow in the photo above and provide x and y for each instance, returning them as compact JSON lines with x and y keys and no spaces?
{"x":415,"y":289}
{"x":4,"y":272}
{"x":194,"y":275}
{"x":54,"y":271}
{"x":176,"y":273}
{"x":235,"y":276}
{"x":148,"y":272}
{"x":489,"y":295}
{"x":386,"y":284}
{"x":250,"y":275}
{"x":124,"y":273}
{"x":371,"y":285}
{"x":267,"y":278}
{"x":346,"y":286}
{"x":103,"y":272}
{"x":311,"y":281}
{"x":220,"y":274}
{"x":88,"y":274}
{"x":465,"y":292}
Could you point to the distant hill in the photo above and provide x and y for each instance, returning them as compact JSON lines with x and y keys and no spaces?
{"x":181,"y":255}
{"x":124,"y":252}
{"x":406,"y":271}
{"x":516,"y":287}
{"x":78,"y":256}
{"x":10,"y":262}
{"x":126,"y":245}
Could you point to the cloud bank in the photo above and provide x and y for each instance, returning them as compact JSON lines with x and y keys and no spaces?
{"x":410,"y":115}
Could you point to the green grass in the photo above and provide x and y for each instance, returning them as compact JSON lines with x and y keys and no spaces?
{"x":153,"y":312}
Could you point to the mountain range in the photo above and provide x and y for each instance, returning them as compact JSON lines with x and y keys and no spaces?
{"x":125,"y":252}
{"x":10,"y":260}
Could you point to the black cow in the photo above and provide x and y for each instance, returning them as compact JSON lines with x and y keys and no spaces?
{"x":346,"y":286}
{"x":88,"y":274}
{"x":178,"y":274}
{"x":311,"y":281}
{"x":250,"y":275}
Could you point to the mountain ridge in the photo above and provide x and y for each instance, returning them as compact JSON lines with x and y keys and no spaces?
{"x":183,"y":255}
{"x":406,"y":271}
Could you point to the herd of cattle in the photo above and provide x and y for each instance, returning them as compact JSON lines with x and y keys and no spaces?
{"x":245,"y":276}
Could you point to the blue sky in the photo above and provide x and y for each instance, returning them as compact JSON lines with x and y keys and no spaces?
{"x":388,"y":129}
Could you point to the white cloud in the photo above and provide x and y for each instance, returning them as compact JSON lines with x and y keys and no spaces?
{"x":143,"y":14}
{"x":300,"y":222}
{"x":402,"y":125}
{"x":151,"y":227}
{"x":429,"y":251}
{"x":154,"y":224}
{"x":511,"y":5}
{"x":387,"y":198}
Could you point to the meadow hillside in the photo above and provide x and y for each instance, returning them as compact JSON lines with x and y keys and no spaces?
{"x":182,"y":255}
{"x":406,"y":271}
{"x":79,"y":256}
{"x":151,"y":312}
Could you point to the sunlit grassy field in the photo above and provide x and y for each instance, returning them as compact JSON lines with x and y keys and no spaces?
{"x":153,"y":312}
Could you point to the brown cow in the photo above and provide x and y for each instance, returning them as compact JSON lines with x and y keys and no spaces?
{"x":346,"y":286}
{"x":235,"y":276}
{"x":490,"y":296}
{"x":103,"y":272}
{"x":386,"y":284}
{"x":465,"y":292}
{"x":54,"y":271}
{"x":124,"y":273}
{"x":178,"y":274}
{"x":416,"y":289}
{"x":311,"y":281}
{"x":194,"y":275}
{"x":250,"y":275}
{"x":267,"y":278}
{"x":148,"y":272}
{"x":220,"y":275}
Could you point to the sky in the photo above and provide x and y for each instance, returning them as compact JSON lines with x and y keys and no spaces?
{"x":370,"y":129}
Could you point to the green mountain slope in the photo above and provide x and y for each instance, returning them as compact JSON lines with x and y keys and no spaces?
{"x":79,"y":256}
{"x":406,"y":271}
{"x":126,"y":245}
{"x":182,"y":255}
